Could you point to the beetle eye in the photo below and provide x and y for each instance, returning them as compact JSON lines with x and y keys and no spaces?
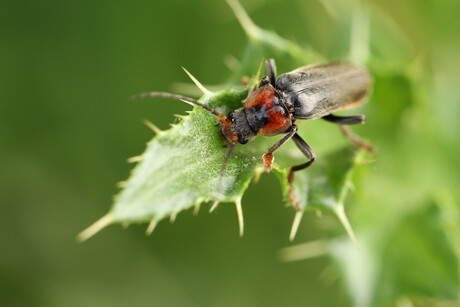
{"x":231,"y":116}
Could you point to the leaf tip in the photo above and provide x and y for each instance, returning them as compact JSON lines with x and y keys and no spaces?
{"x":97,"y":226}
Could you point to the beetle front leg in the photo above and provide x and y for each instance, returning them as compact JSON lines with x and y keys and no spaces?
{"x":270,"y":71}
{"x":268,"y":158}
{"x":310,"y":154}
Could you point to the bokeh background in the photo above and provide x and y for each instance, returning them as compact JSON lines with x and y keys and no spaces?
{"x":67,"y":128}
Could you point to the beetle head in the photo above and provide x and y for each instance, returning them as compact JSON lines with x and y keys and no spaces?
{"x":237,"y":128}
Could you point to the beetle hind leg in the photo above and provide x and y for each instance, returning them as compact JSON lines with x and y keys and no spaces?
{"x":356,"y":140}
{"x":343,"y":122}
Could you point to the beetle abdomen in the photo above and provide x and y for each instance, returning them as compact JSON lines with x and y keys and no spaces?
{"x":318,"y":90}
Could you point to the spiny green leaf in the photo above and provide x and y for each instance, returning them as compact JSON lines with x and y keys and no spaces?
{"x":180,"y":167}
{"x":324,"y":185}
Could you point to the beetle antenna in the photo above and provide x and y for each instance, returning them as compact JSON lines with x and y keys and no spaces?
{"x":179,"y":97}
{"x":224,"y":166}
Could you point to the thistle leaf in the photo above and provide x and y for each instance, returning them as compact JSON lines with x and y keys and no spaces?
{"x":180,"y":167}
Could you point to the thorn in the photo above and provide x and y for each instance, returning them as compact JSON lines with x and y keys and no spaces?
{"x":214,"y":206}
{"x":304,"y":251}
{"x":295,"y":225}
{"x":153,"y":224}
{"x":180,"y":116}
{"x":197,"y":83}
{"x":186,"y":88}
{"x":122,"y":184}
{"x":172,"y":217}
{"x":319,"y":213}
{"x":329,"y":275}
{"x":231,"y":62}
{"x":187,"y":102}
{"x":259,"y":70}
{"x":258,"y":172}
{"x":340,"y":213}
{"x":196,"y":210}
{"x":97,"y":226}
{"x":351,"y":186}
{"x":365,"y":161}
{"x":239,"y":212}
{"x":134,"y":159}
{"x":152,"y":126}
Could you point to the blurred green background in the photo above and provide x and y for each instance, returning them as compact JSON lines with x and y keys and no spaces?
{"x":67,"y":128}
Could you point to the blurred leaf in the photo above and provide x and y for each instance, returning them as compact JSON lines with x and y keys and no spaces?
{"x":325,"y":184}
{"x":414,"y":257}
{"x":408,"y":251}
{"x":267,"y":44}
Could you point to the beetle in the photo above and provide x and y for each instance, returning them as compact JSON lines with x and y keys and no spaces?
{"x":307,"y":93}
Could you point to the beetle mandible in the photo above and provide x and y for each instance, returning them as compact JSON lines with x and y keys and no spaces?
{"x":306,"y":93}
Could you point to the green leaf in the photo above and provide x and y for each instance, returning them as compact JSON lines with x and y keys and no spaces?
{"x":180,"y":167}
{"x":325,"y":184}
{"x":413,"y":258}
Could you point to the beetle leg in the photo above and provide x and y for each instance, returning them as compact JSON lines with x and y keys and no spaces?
{"x":270,"y":70}
{"x":350,"y":120}
{"x":310,"y":154}
{"x":345,"y":120}
{"x":356,"y":140}
{"x":264,"y":81}
{"x":268,"y":157}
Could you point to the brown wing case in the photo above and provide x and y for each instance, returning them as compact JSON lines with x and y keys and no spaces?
{"x":318,"y":90}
